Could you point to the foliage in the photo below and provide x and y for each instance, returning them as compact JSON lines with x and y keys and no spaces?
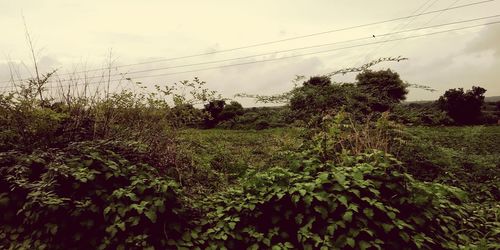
{"x":313,"y":100}
{"x":374,"y":91}
{"x":484,"y":225}
{"x":231,"y":111}
{"x":463,"y":107}
{"x":285,"y":97}
{"x":384,"y":85}
{"x":420,"y":114}
{"x":92,"y":195}
{"x":249,"y":118}
{"x":466,"y":157}
{"x":214,"y":109}
{"x":360,"y":201}
{"x":115,"y":172}
{"x":229,"y":154}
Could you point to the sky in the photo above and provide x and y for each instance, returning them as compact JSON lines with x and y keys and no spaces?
{"x":75,"y":36}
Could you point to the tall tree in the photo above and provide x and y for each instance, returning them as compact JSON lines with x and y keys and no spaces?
{"x":463,"y":107}
{"x":385,"y":86}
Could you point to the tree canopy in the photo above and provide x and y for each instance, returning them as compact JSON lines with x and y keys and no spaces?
{"x":463,"y":107}
{"x":374,"y":91}
{"x":385,"y":85}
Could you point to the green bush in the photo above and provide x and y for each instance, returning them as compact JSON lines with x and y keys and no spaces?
{"x":359,"y":204}
{"x":92,"y":195}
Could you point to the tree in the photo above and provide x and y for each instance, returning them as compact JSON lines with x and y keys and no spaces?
{"x":316,"y":96}
{"x":230,"y":111}
{"x":214,"y":109}
{"x":463,"y":107}
{"x":384,"y":86}
{"x":183,"y":115}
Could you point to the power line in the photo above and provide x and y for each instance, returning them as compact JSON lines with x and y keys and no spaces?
{"x":280,"y":40}
{"x":428,"y":22}
{"x":439,"y":14}
{"x":287,"y":50}
{"x":404,"y":25}
{"x":293,"y":56}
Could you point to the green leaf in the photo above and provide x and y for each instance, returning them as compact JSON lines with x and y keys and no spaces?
{"x":368,"y":212}
{"x":322,"y":210}
{"x":343,"y":200}
{"x":194,"y":234}
{"x":302,"y":192}
{"x":350,"y":242}
{"x":323,"y":176}
{"x":404,"y":236}
{"x":391,"y":215}
{"x":340,"y":177}
{"x":347,"y":216}
{"x":266,"y":241}
{"x":121,"y":225}
{"x":387,"y":227}
{"x":151,"y":214}
{"x":106,"y":210}
{"x":364,"y":245}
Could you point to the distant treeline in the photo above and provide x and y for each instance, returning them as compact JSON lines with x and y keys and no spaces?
{"x":234,"y":116}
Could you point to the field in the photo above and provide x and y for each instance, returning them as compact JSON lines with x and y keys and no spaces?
{"x":336,"y":168}
{"x":248,"y":148}
{"x":256,"y":148}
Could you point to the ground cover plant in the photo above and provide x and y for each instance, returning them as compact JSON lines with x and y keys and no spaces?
{"x":148,"y":170}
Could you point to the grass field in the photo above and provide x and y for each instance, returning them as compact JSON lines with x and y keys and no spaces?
{"x":472,"y":140}
{"x":256,"y":147}
{"x":222,"y":148}
{"x":470,"y":152}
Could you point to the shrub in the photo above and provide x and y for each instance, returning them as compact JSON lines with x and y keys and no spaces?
{"x":334,"y":195}
{"x":94,"y":195}
{"x":261,"y":124}
{"x":359,"y":204}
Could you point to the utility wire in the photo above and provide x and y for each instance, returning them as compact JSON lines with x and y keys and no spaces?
{"x":280,"y":40}
{"x":404,"y":25}
{"x":426,"y":23}
{"x":292,"y":56}
{"x":287,"y":50}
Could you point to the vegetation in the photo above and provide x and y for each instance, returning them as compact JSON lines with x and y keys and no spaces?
{"x":463,"y":107}
{"x":134,"y":170}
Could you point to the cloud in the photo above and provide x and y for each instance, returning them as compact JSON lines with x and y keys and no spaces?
{"x":487,"y":40}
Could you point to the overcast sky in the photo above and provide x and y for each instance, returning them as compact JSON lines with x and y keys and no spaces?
{"x":78,"y":35}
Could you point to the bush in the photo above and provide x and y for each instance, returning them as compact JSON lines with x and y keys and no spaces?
{"x":335,"y":193}
{"x":261,"y":124}
{"x":359,"y":204}
{"x":94,"y":195}
{"x":420,"y":114}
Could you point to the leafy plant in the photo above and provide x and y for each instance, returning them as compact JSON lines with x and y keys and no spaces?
{"x":360,"y":204}
{"x":88,"y":195}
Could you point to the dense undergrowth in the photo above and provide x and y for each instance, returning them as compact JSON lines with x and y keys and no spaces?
{"x":119,"y":172}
